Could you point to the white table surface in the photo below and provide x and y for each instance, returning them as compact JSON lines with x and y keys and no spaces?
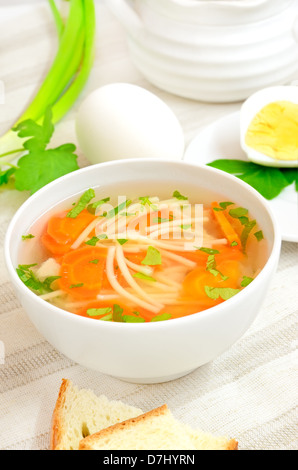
{"x":248,"y":393}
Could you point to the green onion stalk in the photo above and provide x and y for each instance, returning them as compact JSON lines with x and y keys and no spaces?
{"x":67,"y":76}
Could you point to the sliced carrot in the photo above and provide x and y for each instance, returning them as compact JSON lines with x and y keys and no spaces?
{"x":225,"y":226}
{"x":82,"y":272}
{"x":195,"y":281}
{"x":53,"y":247}
{"x":65,"y":229}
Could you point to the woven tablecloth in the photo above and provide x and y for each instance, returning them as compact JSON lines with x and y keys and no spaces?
{"x":248,"y":393}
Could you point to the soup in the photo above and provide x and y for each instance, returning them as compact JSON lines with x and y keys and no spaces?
{"x":143,"y":259}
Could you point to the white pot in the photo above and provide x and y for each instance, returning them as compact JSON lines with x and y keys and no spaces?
{"x":214,"y":51}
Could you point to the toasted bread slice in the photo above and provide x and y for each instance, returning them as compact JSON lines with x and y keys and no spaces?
{"x":79,"y":413}
{"x":155,"y":430}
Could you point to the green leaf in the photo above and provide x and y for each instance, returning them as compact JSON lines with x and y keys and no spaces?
{"x":76,"y":286}
{"x":224,"y":292}
{"x":268,"y":181}
{"x":161,"y":317}
{"x":122,"y":241}
{"x":179,"y":196}
{"x":211,"y":267}
{"x":210,"y":251}
{"x":259,"y":235}
{"x":40,"y":134}
{"x":6,"y":174}
{"x":238,"y":212}
{"x":246,"y":281}
{"x":92,"y":207}
{"x":27,"y":237}
{"x":37,"y":169}
{"x":246,"y":231}
{"x":95,"y":312}
{"x":153,"y":257}
{"x":94,"y":240}
{"x":132,"y":319}
{"x":145,"y":277}
{"x":116,"y":210}
{"x":117,"y":313}
{"x":224,"y":205}
{"x":82,"y":203}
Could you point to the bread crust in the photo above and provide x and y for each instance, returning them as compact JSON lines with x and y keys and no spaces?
{"x":86,"y":443}
{"x":57,"y":422}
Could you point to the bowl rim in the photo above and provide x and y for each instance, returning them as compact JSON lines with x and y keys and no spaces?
{"x":215,"y":310}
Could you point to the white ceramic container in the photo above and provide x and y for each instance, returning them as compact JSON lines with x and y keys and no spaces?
{"x":214,"y":51}
{"x":148,"y":352}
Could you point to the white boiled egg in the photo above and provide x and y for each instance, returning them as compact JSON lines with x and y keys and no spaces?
{"x":122,"y":120}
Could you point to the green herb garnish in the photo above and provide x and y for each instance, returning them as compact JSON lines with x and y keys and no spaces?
{"x":209,"y":251}
{"x":238,"y":212}
{"x":268,"y":181}
{"x":27,"y":237}
{"x":161,"y":317}
{"x":95,"y":312}
{"x":82,"y":203}
{"x":93,"y":241}
{"x":211,"y":267}
{"x":92,"y":207}
{"x":259,"y":235}
{"x":143,"y":276}
{"x":179,"y":196}
{"x":39,"y":166}
{"x":122,"y":241}
{"x":117,"y":313}
{"x":245,"y":281}
{"x":153,"y":257}
{"x":224,"y":292}
{"x":116,"y":210}
{"x":132,"y":319}
{"x":29,"y":278}
{"x":94,"y":261}
{"x":76,"y":286}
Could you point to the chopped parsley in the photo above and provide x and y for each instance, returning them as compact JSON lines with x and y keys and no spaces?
{"x":223,"y":292}
{"x":95,"y":312}
{"x":153,"y":257}
{"x":27,"y":237}
{"x":179,"y":196}
{"x":82,"y":203}
{"x":143,"y":276}
{"x":246,"y":281}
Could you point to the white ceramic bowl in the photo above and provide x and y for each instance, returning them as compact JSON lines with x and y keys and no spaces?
{"x":151,"y":352}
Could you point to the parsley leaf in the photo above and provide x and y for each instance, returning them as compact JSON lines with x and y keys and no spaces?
{"x":82,"y":203}
{"x":224,"y":292}
{"x":245,"y":281}
{"x":268,"y":181}
{"x":40,"y":166}
{"x":179,"y":196}
{"x":143,"y":276}
{"x":153,"y":257}
{"x":161,"y":317}
{"x":94,"y":312}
